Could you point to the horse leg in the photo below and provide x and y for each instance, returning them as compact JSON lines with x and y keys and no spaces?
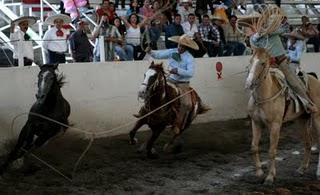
{"x":316,"y":125}
{"x":132,"y":133}
{"x":24,"y":142}
{"x":274,"y":140}
{"x":154,"y":135}
{"x":256,"y":136}
{"x":307,"y":147}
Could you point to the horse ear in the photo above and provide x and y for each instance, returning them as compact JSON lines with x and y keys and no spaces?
{"x":152,"y":63}
{"x":55,"y":66}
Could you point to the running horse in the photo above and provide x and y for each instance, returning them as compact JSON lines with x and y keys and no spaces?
{"x":49,"y":104}
{"x":269,"y":108}
{"x":156,"y":91}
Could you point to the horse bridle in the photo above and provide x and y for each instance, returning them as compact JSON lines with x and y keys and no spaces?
{"x":147,"y":98}
{"x":262,"y":75}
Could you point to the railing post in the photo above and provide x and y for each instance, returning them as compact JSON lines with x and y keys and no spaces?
{"x":101,"y":47}
{"x":20,"y":54}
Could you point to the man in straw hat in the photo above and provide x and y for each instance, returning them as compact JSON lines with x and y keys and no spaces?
{"x":22,"y":48}
{"x":270,"y":40}
{"x":181,"y":69}
{"x":55,"y":39}
{"x":295,"y":46}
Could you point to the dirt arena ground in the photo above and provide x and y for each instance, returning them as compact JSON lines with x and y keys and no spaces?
{"x":215,"y":160}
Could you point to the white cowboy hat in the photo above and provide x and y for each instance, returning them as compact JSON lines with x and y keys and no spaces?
{"x":185,"y":40}
{"x":31,"y":20}
{"x":295,"y":35}
{"x":50,"y":20}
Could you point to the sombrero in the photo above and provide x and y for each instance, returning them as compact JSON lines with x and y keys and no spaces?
{"x":185,"y":40}
{"x":50,"y":20}
{"x":31,"y":20}
{"x":294,"y":34}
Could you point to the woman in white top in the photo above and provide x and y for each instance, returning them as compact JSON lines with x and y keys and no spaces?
{"x":133,"y":35}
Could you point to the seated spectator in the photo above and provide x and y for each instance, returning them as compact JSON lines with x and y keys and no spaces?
{"x":133,"y":36}
{"x":154,"y":31}
{"x":124,"y":51}
{"x":184,"y":9}
{"x":202,"y":48}
{"x":134,"y":8}
{"x":146,"y":10}
{"x":174,"y":29}
{"x":105,"y":10}
{"x":111,"y":36}
{"x":210,"y":36}
{"x":122,"y":4}
{"x":234,"y":40}
{"x":190,"y":26}
{"x":202,"y":8}
{"x":310,"y":32}
{"x":81,"y":48}
{"x":218,"y":22}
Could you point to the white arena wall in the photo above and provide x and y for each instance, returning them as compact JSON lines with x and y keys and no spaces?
{"x":103,"y":96}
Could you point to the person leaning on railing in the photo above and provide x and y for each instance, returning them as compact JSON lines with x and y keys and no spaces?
{"x":21,"y":40}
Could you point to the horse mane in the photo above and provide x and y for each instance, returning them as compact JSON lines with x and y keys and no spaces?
{"x":157,"y":67}
{"x":61,"y":79}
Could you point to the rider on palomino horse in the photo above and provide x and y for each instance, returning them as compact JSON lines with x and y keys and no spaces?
{"x":181,"y":69}
{"x":272,"y":42}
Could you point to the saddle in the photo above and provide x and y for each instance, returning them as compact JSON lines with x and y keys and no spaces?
{"x":289,"y":93}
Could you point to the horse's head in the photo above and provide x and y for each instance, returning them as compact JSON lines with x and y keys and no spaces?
{"x":153,"y":78}
{"x":46,"y":79}
{"x":260,"y":63}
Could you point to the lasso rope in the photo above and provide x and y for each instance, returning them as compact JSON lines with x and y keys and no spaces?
{"x":268,"y":22}
{"x":96,"y":135}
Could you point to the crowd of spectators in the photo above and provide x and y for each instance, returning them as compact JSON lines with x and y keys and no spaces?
{"x":128,"y":34}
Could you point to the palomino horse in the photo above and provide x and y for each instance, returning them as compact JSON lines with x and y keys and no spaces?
{"x":156,"y":91}
{"x":50,"y":104}
{"x":268,"y":108}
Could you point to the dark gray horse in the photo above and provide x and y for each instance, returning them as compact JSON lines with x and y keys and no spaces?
{"x":51,"y":104}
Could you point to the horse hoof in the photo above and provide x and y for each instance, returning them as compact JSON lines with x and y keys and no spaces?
{"x":300,"y":171}
{"x":152,"y":155}
{"x":268,"y":181}
{"x":166,"y":147}
{"x":177,"y":149}
{"x":259,"y":173}
{"x":133,"y":141}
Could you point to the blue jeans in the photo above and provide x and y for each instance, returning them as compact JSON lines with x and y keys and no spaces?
{"x":125,"y":53}
{"x":235,"y":48}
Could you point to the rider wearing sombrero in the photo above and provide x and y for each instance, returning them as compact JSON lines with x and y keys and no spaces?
{"x":272,"y":42}
{"x":181,"y":69}
{"x":24,"y":48}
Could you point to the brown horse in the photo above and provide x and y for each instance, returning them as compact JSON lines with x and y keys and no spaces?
{"x":156,"y":91}
{"x":269,"y":108}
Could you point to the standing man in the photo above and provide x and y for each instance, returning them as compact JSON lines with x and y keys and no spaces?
{"x":23,"y":47}
{"x":82,"y":50}
{"x":295,"y":48}
{"x":181,"y":69}
{"x":55,"y":39}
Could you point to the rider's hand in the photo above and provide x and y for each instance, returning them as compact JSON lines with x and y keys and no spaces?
{"x":174,"y":71}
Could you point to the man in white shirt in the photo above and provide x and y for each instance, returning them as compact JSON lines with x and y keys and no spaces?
{"x":190,"y":27}
{"x":55,"y":39}
{"x":20,"y":40}
{"x":184,"y":9}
